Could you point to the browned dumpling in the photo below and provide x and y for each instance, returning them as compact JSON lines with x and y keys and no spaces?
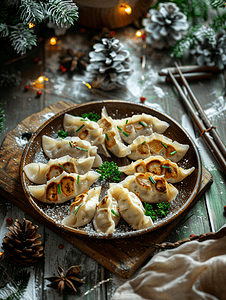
{"x":150,"y":188}
{"x":64,"y":187}
{"x":158,"y":165}
{"x":157,"y":144}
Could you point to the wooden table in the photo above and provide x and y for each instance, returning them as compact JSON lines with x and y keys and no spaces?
{"x":207,"y":213}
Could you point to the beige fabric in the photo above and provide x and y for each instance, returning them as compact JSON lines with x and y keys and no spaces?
{"x":195,"y":270}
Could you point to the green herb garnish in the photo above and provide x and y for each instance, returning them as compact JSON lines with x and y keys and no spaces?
{"x":152,"y":180}
{"x":109,"y":170}
{"x":81,"y":149}
{"x":143,"y":142}
{"x":70,"y":144}
{"x":76,"y":210}
{"x":125,"y":133}
{"x":59,"y":188}
{"x":174,"y":152}
{"x":154,"y":210}
{"x":78,"y":180}
{"x":80,"y":128}
{"x":166,"y":167}
{"x":119,"y":128}
{"x":164,"y":145}
{"x":91,"y":116}
{"x":143,"y":124}
{"x":62,"y":167}
{"x":114,"y":213}
{"x":126,"y":121}
{"x":107,"y":137}
{"x":83,"y":120}
{"x":62,"y":134}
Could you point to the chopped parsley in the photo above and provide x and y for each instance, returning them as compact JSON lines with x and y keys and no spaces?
{"x":143,"y":124}
{"x":78,"y":180}
{"x":174,"y":152}
{"x":82,"y":149}
{"x":109,"y":170}
{"x":164,"y":145}
{"x":62,"y":134}
{"x":107,"y":137}
{"x":125,"y":133}
{"x":79,"y":128}
{"x":143,"y":142}
{"x":59,"y":188}
{"x":119,"y":128}
{"x":156,"y":210}
{"x":70,"y":144}
{"x":91,"y":116}
{"x":152,"y":180}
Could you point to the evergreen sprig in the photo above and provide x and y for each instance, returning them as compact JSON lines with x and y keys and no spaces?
{"x":2,"y":118}
{"x":15,"y":291}
{"x":15,"y":17}
{"x":109,"y":170}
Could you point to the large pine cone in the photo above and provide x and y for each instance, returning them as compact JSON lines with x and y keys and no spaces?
{"x":110,"y":64}
{"x":20,"y":245}
{"x":165,"y":26}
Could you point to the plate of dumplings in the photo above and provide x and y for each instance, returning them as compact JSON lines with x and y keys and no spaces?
{"x":157,"y":159}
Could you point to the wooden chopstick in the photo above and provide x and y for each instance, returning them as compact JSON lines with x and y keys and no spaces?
{"x":213,"y":132}
{"x":191,"y":76}
{"x":201,"y":127}
{"x":189,"y":69}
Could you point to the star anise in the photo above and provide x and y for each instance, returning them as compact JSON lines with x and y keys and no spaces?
{"x":74,"y":60}
{"x":66,"y":280}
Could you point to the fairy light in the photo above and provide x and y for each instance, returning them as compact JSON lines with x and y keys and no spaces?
{"x":1,"y":253}
{"x":41,"y":79}
{"x":138,"y":33}
{"x":31,"y":25}
{"x":87,"y":84}
{"x":127,"y":9}
{"x":53,"y":41}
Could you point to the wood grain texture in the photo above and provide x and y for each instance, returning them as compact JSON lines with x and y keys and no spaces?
{"x":120,"y":256}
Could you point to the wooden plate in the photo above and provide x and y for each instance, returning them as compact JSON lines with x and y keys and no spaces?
{"x":188,"y":188}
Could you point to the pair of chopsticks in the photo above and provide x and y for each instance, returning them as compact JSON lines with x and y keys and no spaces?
{"x":201,"y":120}
{"x":190,"y":72}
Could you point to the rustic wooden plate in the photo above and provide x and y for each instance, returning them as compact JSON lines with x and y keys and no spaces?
{"x":188,"y":188}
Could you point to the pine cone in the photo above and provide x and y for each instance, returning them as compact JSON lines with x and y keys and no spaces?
{"x":165,"y":26}
{"x":110,"y":64}
{"x":210,"y":48}
{"x":21,"y":245}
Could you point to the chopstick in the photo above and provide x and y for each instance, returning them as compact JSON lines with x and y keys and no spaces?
{"x":191,"y":76}
{"x":199,"y":124}
{"x":189,"y":69}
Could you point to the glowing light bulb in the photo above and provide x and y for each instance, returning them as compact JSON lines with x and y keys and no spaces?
{"x":87,"y":84}
{"x":127,"y":9}
{"x":1,"y":253}
{"x":41,"y":79}
{"x":53,"y":41}
{"x":138,"y":33}
{"x":31,"y":25}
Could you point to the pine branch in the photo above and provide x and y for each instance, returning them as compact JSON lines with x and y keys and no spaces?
{"x":219,"y":23}
{"x":4,"y":30}
{"x":62,"y":12}
{"x":217,"y":3}
{"x":2,"y":120}
{"x":22,"y":38}
{"x":31,"y":12}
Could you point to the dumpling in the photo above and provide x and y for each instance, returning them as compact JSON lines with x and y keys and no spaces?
{"x":83,"y":208}
{"x":113,"y":140}
{"x":64,"y":187}
{"x":73,"y":146}
{"x":131,"y":208}
{"x":157,"y":144}
{"x":40,"y":173}
{"x":107,"y":215}
{"x":86,"y":130}
{"x":159,"y":166}
{"x":131,"y":128}
{"x":150,"y":188}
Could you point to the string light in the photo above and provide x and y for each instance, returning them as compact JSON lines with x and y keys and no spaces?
{"x":31,"y":25}
{"x":126,"y":8}
{"x":53,"y":41}
{"x":87,"y":84}
{"x":1,"y":253}
{"x":138,"y":33}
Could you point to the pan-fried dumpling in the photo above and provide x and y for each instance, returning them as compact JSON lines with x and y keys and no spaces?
{"x":83,"y":208}
{"x":73,"y":146}
{"x":107,"y":215}
{"x":157,"y":144}
{"x":86,"y":130}
{"x":150,"y":188}
{"x":113,"y":140}
{"x":130,"y":208}
{"x":159,"y":166}
{"x":64,"y":187}
{"x":40,"y":173}
{"x":137,"y":125}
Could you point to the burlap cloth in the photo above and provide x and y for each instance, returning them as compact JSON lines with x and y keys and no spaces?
{"x":194,"y":270}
